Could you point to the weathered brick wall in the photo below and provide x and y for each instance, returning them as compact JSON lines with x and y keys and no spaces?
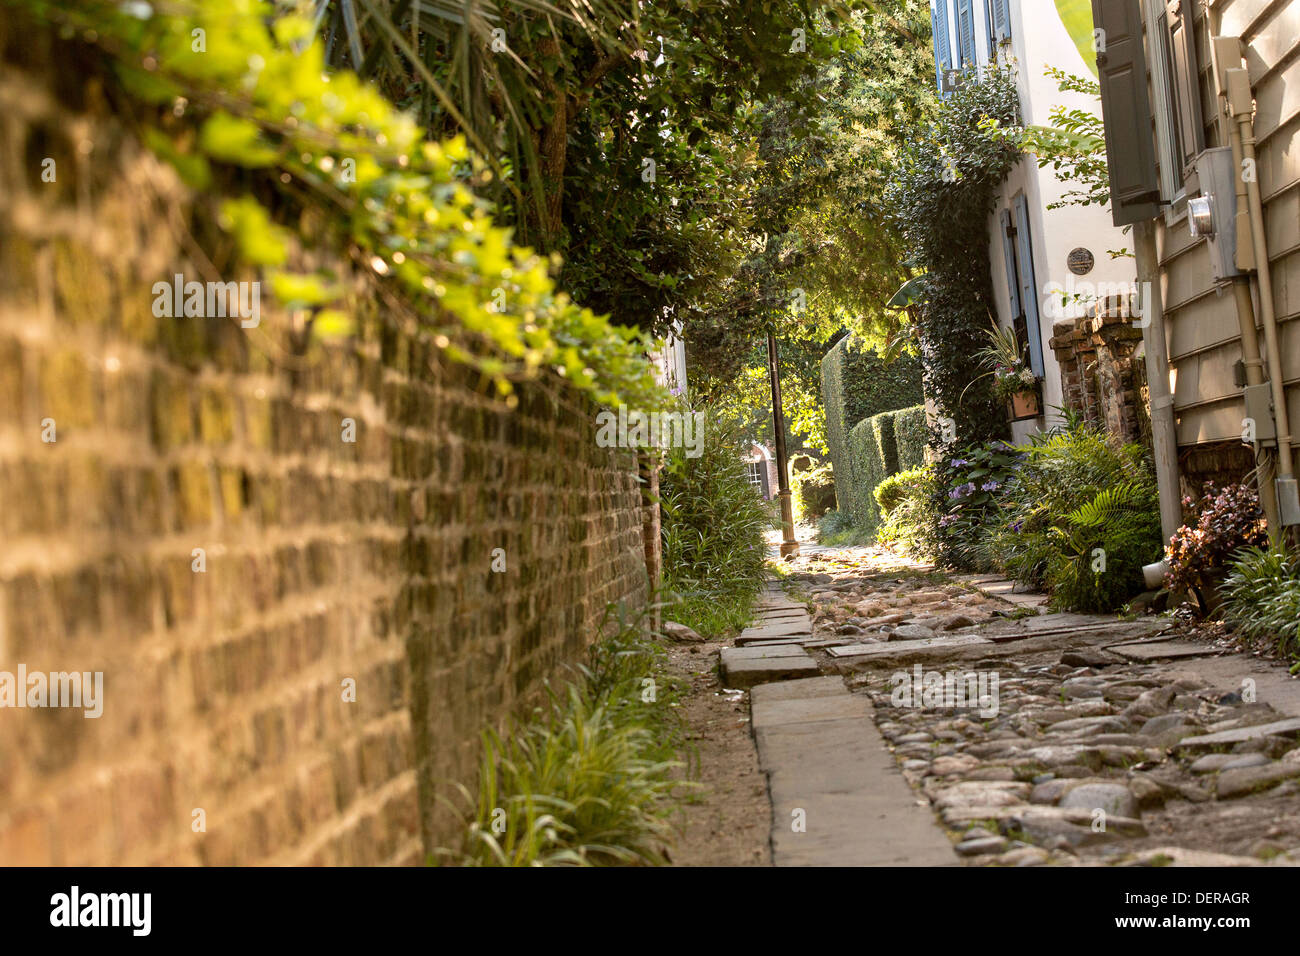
{"x":325,"y":560}
{"x":1103,"y":375}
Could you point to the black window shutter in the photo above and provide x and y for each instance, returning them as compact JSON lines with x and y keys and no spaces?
{"x":1126,"y":109}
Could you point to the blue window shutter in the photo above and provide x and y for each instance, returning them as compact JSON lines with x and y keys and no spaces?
{"x":1001,"y":20}
{"x":1028,"y":285}
{"x":938,"y":56}
{"x":942,"y":51}
{"x":966,"y":31}
{"x":1009,"y":258}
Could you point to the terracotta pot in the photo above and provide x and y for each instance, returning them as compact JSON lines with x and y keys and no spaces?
{"x":1024,"y":405}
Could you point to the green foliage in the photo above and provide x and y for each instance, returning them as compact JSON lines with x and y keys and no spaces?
{"x":713,"y":521}
{"x":858,"y":385}
{"x":971,"y":483}
{"x":911,"y":435}
{"x":891,"y":492}
{"x":868,"y":383}
{"x":867,"y":469}
{"x":819,"y":224}
{"x":1262,"y":595}
{"x":1073,"y":144}
{"x":587,"y":780}
{"x":1102,"y":546}
{"x":1075,"y":491}
{"x":812,"y":491}
{"x":743,"y":399}
{"x":577,"y":96}
{"x":911,"y":515}
{"x":941,"y":198}
{"x":258,"y":106}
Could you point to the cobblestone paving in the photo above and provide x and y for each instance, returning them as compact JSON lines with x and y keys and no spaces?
{"x":1074,"y":755}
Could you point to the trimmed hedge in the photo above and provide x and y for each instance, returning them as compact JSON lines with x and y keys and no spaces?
{"x":912,"y":434}
{"x":876,"y":451}
{"x":859,"y":387}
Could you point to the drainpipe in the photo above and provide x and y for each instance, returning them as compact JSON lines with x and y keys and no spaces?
{"x":1164,"y":438}
{"x":1226,"y":52}
{"x":1241,"y":105}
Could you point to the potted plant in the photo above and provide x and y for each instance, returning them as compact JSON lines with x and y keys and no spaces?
{"x":1014,"y":382}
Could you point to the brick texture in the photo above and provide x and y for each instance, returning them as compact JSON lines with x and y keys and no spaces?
{"x":1103,"y":373}
{"x":326,"y":561}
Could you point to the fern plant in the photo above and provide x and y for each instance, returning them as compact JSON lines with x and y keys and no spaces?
{"x":1080,"y":518}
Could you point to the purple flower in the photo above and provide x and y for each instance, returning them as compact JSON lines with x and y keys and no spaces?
{"x":990,"y":486}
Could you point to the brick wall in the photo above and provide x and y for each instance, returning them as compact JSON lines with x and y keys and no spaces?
{"x":1103,"y":372}
{"x":326,"y":560}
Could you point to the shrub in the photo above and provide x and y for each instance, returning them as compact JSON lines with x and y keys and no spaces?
{"x":857,"y":384}
{"x":1102,"y":547}
{"x":971,"y":483}
{"x":1073,"y":492}
{"x":891,"y":492}
{"x":833,"y":525}
{"x":1262,"y":595}
{"x":1225,"y":521}
{"x":812,"y":491}
{"x":911,"y":514}
{"x":868,"y":465}
{"x":713,"y":524}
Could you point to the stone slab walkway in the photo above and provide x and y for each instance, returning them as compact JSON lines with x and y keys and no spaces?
{"x":838,"y":798}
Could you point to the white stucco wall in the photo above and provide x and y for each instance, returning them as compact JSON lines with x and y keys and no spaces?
{"x":1040,"y":39}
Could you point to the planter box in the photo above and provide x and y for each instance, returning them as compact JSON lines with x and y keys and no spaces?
{"x":1025,"y":405}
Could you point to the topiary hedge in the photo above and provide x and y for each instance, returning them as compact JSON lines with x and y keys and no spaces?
{"x":880,"y":446}
{"x":857,"y":386}
{"x":911,"y":433}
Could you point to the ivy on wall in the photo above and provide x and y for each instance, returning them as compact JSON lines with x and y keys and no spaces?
{"x":942,"y":197}
{"x":236,"y":96}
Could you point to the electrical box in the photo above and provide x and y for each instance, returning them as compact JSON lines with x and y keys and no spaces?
{"x":1259,"y":410}
{"x":1288,"y":501}
{"x":1218,"y":210}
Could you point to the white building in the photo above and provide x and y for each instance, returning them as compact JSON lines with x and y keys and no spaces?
{"x":1035,"y":251}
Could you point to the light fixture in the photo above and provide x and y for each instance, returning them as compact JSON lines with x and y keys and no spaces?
{"x":1200,"y":216}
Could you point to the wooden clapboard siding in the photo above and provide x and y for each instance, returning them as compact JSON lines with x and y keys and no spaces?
{"x":1201,"y":323}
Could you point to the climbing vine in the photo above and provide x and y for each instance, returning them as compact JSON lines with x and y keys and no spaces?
{"x":941,"y":198}
{"x":243,"y":86}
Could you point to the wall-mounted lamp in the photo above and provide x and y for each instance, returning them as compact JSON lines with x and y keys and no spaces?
{"x":1200,"y":216}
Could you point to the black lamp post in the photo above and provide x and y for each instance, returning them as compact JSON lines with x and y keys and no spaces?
{"x":790,"y":545}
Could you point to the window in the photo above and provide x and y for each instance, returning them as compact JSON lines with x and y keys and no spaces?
{"x":1176,"y":75}
{"x":966,"y":33}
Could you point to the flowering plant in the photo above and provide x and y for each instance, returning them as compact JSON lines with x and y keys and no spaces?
{"x":1005,"y":360}
{"x":972,"y":481}
{"x":1224,"y":521}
